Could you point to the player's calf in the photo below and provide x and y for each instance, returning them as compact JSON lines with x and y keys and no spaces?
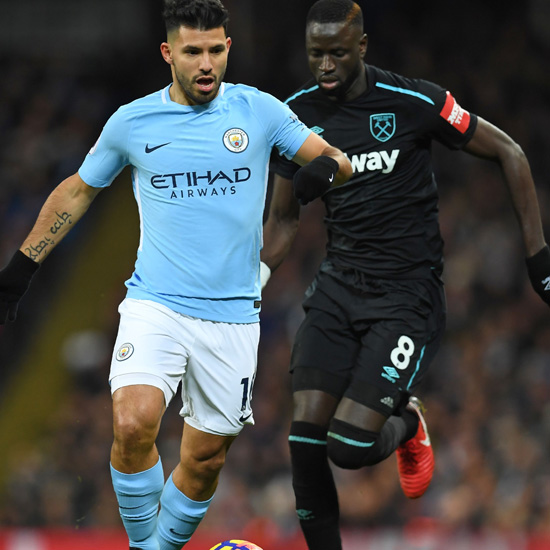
{"x":314,"y":488}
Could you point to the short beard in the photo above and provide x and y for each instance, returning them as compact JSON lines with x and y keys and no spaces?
{"x":197,"y":99}
{"x":339,"y":94}
{"x":336,"y":95}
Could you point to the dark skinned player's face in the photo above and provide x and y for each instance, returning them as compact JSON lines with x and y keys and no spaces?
{"x":335,"y":54}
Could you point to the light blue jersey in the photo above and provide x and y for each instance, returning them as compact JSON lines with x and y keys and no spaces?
{"x":199,"y":175}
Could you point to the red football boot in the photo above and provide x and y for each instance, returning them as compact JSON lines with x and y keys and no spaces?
{"x":415,"y":457}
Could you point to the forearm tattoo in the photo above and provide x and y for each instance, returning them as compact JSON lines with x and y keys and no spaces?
{"x":47,"y":242}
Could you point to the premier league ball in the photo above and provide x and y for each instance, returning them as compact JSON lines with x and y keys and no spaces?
{"x":235,"y":545}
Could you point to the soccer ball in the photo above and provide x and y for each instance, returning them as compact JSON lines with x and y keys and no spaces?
{"x":235,"y":545}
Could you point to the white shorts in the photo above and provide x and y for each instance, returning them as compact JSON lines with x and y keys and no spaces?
{"x":215,"y":363}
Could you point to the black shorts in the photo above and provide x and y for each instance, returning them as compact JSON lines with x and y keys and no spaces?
{"x":371,"y":342}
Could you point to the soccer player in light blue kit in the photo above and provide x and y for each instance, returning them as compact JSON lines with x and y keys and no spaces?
{"x":199,"y":151}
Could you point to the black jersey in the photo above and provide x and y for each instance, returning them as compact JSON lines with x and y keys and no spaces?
{"x":384,"y":221}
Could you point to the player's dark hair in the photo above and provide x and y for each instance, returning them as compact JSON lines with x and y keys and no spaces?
{"x":335,"y":11}
{"x":195,"y":14}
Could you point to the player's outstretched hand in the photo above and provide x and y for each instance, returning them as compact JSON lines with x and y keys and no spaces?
{"x":15,"y":279}
{"x":538,"y":267}
{"x":314,"y":178}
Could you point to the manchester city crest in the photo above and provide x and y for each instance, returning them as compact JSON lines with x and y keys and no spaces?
{"x":124,"y":352}
{"x":236,"y":140}
{"x":382,"y":126}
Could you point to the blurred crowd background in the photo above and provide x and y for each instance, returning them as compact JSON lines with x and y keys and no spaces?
{"x":66,"y":66}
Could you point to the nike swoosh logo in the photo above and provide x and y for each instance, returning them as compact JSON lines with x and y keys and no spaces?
{"x":245,"y":418}
{"x":151,"y":149}
{"x":331,"y":178}
{"x":174,"y":532}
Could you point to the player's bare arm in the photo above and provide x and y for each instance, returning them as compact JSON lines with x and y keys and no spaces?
{"x":323,"y":167}
{"x":281,"y":224}
{"x":315,"y":146}
{"x":491,"y":143}
{"x":64,"y":207}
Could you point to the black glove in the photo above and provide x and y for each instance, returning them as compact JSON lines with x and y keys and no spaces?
{"x":314,"y":178}
{"x":538,"y":267}
{"x":15,"y":279}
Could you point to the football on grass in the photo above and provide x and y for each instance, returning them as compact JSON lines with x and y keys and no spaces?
{"x":235,"y":545}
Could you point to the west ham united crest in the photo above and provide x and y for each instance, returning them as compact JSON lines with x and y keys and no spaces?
{"x":236,"y":140}
{"x":382,"y":126}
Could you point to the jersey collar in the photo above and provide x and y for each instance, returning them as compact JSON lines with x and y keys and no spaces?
{"x":167,"y":100}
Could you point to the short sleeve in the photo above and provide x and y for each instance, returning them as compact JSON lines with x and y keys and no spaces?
{"x":448,"y":123}
{"x":284,"y":129}
{"x":109,"y":155}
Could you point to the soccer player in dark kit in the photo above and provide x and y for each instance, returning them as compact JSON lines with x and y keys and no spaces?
{"x":199,"y":150}
{"x":375,"y":312}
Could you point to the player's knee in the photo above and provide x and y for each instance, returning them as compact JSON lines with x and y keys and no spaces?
{"x":350,"y":447}
{"x":131,"y":436}
{"x":135,"y":429}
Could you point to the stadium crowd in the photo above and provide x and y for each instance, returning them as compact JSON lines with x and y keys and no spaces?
{"x":488,"y":390}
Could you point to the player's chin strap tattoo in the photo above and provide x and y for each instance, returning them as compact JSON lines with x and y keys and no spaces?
{"x":314,"y":178}
{"x":538,"y":267}
{"x":15,"y":279}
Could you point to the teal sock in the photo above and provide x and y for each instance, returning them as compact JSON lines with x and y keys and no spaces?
{"x":138,"y":498}
{"x":179,"y":517}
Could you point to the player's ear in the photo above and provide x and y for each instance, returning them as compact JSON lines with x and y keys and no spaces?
{"x":166,"y":51}
{"x":363,"y":45}
{"x":228,"y":42}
